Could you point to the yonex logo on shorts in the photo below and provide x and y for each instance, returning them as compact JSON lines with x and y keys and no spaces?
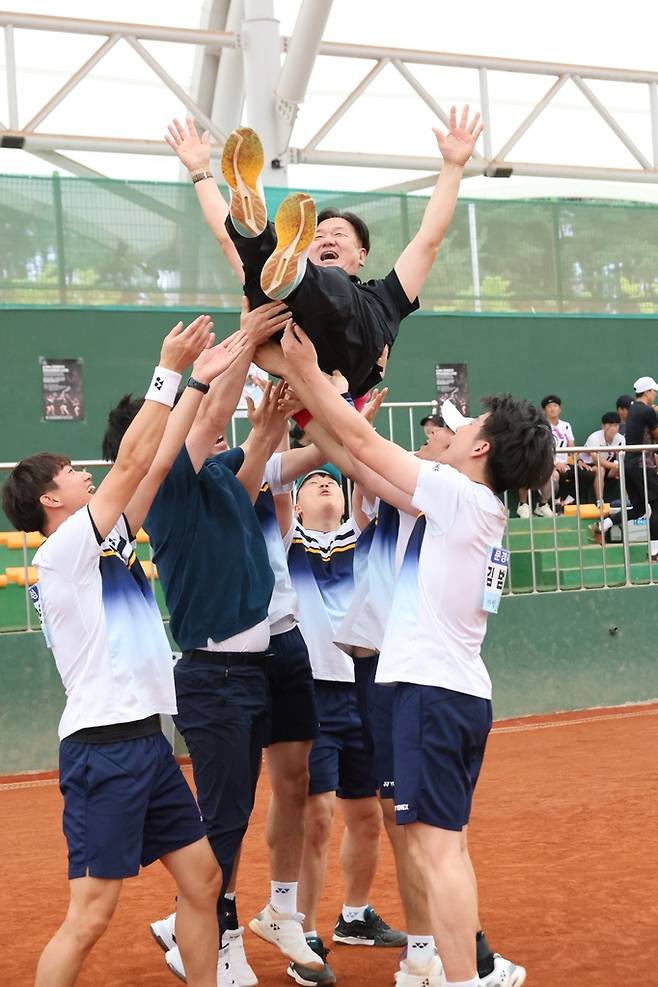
{"x":402,"y":807}
{"x":388,"y":784}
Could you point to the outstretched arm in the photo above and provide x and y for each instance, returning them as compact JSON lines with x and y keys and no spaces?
{"x":194,"y":153}
{"x":323,"y":400}
{"x":142,"y":439}
{"x":212,"y":363}
{"x":414,"y":263}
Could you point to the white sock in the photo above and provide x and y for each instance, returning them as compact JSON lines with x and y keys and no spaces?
{"x":475,"y":982}
{"x":284,"y":897}
{"x":313,"y":934}
{"x":420,"y":951}
{"x":354,"y":913}
{"x":605,"y":524}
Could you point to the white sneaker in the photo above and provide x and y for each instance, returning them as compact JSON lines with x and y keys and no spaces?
{"x":164,"y":931}
{"x":543,"y":510}
{"x":242,"y":971}
{"x":432,"y":976}
{"x":504,"y":974}
{"x":523,"y":510}
{"x":286,"y":932}
{"x":225,"y":977}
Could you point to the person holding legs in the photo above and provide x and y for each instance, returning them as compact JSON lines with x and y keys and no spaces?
{"x":431,"y":649}
{"x":126,"y":803}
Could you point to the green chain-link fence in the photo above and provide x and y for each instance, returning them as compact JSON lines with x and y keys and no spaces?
{"x":79,"y":241}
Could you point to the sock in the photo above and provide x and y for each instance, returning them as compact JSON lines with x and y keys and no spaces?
{"x":484,"y":955}
{"x":354,"y":913}
{"x":420,"y":951}
{"x":229,"y":911}
{"x":605,"y":524}
{"x":284,"y":897}
{"x":475,"y":982}
{"x":313,"y":934}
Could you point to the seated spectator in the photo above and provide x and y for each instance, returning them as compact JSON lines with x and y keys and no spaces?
{"x":604,"y":466}
{"x":568,"y":475}
{"x":624,"y":401}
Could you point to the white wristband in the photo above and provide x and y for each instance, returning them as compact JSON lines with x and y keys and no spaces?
{"x":164,"y":386}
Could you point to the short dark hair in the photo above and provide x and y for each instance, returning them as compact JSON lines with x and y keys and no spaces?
{"x":522,"y":448}
{"x":610,"y":418}
{"x":360,"y":227}
{"x":28,"y":480}
{"x":118,"y":421}
{"x":624,"y":401}
{"x":433,"y":420}
{"x":551,"y":399}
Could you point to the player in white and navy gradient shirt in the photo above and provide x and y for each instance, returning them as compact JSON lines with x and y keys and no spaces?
{"x":442,"y":708}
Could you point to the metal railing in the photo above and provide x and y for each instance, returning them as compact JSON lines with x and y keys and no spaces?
{"x":554,"y":554}
{"x":551,"y":554}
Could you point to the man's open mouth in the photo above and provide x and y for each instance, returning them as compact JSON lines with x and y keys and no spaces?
{"x":328,"y":255}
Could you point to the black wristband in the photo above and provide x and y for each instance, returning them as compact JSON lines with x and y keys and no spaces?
{"x":198,"y":386}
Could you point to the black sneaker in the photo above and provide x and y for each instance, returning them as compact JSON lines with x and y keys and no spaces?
{"x":372,"y":931}
{"x":313,"y":978}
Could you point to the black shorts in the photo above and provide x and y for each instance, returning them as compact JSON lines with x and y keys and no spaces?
{"x":341,"y":756}
{"x":376,"y":708}
{"x":292,"y":694}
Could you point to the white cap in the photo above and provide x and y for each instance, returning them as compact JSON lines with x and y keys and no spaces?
{"x":643,"y":384}
{"x":453,"y":417}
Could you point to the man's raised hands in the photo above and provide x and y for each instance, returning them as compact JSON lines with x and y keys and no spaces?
{"x":458,"y":144}
{"x":194,"y":151}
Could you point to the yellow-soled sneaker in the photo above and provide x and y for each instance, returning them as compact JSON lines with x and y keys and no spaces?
{"x":242,"y":163}
{"x":294,"y":224}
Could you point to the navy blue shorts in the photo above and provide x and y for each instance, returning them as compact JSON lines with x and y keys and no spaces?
{"x":224,"y":717}
{"x":439,"y":737}
{"x":126,"y":804}
{"x":341,"y":756}
{"x":292,"y":694}
{"x":376,"y":708}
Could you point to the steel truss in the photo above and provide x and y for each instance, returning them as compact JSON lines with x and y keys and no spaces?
{"x":224,"y":52}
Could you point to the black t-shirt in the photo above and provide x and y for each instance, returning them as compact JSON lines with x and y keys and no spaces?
{"x":350,"y":321}
{"x":640,"y":425}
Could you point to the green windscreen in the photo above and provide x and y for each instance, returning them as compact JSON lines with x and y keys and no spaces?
{"x":81,"y":241}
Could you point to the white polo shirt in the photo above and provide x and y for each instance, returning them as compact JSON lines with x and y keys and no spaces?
{"x":598,"y":439}
{"x":437,"y":622}
{"x":104,"y":627}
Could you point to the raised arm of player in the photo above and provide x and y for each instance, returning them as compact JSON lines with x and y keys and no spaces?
{"x":208,"y":366}
{"x":194,"y":153}
{"x":142,"y":439}
{"x":267,"y":427}
{"x":219,"y":405}
{"x":326,"y":404}
{"x":414,"y":263}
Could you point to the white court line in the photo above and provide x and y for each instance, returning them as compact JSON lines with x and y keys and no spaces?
{"x":522,"y":727}
{"x":517,"y":728}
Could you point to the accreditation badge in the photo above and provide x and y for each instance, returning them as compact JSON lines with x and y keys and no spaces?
{"x":494,"y":578}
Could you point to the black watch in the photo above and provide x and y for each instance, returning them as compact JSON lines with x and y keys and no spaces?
{"x":198,"y":386}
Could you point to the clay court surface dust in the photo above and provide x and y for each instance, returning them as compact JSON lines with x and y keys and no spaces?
{"x":564,"y":838}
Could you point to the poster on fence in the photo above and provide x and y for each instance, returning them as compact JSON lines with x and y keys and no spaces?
{"x":452,"y":384}
{"x":61,"y":390}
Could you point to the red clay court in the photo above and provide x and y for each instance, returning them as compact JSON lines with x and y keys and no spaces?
{"x":564,"y":839}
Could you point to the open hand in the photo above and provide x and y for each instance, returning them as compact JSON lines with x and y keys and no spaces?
{"x":267,"y":418}
{"x":457,"y":145}
{"x":183,"y":346}
{"x":216,"y":359}
{"x":289,"y":403}
{"x":263,"y":321}
{"x":377,"y":398}
{"x":297,"y":348}
{"x":194,"y":151}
